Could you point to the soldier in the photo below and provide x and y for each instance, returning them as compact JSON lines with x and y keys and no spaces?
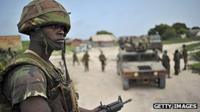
{"x":85,"y":60}
{"x":32,"y":83}
{"x":166,"y":62}
{"x":185,"y":56}
{"x":177,"y":57}
{"x":75,"y":58}
{"x":102,"y":59}
{"x":11,"y":53}
{"x":156,"y":55}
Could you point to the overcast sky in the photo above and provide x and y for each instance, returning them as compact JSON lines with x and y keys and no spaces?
{"x":121,"y":17}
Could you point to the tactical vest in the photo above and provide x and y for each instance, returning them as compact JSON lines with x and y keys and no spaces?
{"x":55,"y":83}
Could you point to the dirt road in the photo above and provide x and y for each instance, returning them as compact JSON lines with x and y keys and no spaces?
{"x":95,"y":86}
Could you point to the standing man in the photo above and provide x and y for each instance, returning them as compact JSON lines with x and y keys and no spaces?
{"x":166,"y":62}
{"x":177,"y":57}
{"x":75,"y":58}
{"x":85,"y":60}
{"x":185,"y":56}
{"x":102,"y":59}
{"x":32,"y":83}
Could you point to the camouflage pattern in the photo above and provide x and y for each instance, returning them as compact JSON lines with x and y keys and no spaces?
{"x":39,"y":13}
{"x":32,"y":76}
{"x":102,"y":59}
{"x":85,"y":60}
{"x":166,"y":63}
{"x":75,"y":58}
{"x":5,"y":57}
{"x":23,"y":82}
{"x":185,"y":57}
{"x":177,"y":57}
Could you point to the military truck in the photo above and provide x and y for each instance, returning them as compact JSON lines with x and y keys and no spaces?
{"x":140,"y":67}
{"x":155,"y":42}
{"x":130,"y":43}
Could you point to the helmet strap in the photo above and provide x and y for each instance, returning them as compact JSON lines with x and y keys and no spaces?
{"x":46,"y":46}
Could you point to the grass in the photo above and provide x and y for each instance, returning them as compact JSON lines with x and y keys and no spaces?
{"x":196,"y":55}
{"x":177,"y":40}
{"x":24,"y":46}
{"x":195,"y":67}
{"x":194,"y":46}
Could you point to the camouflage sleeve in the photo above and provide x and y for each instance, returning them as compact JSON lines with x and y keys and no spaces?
{"x":26,"y":81}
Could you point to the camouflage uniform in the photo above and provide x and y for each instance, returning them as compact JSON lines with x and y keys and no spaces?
{"x":102,"y":59}
{"x":177,"y":57}
{"x":85,"y":60}
{"x":75,"y":58}
{"x":185,"y":57}
{"x":166,"y":62}
{"x":29,"y":75}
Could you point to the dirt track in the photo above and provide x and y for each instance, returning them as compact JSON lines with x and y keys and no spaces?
{"x":95,"y":86}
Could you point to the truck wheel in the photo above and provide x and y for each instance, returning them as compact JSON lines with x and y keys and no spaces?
{"x":162,"y":82}
{"x":126,"y":85}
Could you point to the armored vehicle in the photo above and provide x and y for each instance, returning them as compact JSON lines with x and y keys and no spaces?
{"x":140,"y":66}
{"x":148,"y":42}
{"x":155,"y":42}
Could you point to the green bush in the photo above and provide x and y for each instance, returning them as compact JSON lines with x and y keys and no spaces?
{"x":193,"y":46}
{"x":195,"y":67}
{"x":177,"y":40}
{"x":196,"y":56}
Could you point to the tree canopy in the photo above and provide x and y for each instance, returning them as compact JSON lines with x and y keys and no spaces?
{"x":103,"y":32}
{"x":168,"y":32}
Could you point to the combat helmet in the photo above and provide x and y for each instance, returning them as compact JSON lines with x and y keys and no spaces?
{"x":40,"y":13}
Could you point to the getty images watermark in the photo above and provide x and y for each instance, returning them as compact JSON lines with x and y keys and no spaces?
{"x":176,"y":106}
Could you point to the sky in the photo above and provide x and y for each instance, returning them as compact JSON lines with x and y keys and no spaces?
{"x":120,"y":17}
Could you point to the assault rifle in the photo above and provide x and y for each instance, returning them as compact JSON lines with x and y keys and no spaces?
{"x":113,"y":107}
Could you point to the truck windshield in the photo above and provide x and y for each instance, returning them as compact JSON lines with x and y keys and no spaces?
{"x":139,"y":57}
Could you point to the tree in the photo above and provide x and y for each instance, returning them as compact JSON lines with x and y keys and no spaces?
{"x":169,"y":34}
{"x":152,"y":31}
{"x":164,"y":30}
{"x":180,"y":28}
{"x":196,"y":27}
{"x":103,"y":32}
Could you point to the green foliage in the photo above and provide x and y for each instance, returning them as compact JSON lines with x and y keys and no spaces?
{"x":195,"y":27}
{"x":169,"y":33}
{"x":104,"y":32}
{"x":177,"y":40}
{"x":165,"y":31}
{"x":25,"y":45}
{"x":180,"y":28}
{"x":193,"y":46}
{"x":196,"y":56}
{"x":152,"y":31}
{"x":161,"y":28}
{"x":195,"y":67}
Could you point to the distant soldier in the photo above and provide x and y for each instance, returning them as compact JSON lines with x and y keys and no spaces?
{"x":121,"y":43}
{"x":166,"y":62}
{"x":157,"y":55}
{"x":177,"y":57}
{"x":141,"y":47}
{"x":102,"y":59}
{"x":185,"y":56}
{"x":11,"y":52}
{"x":75,"y":58}
{"x":85,"y":60}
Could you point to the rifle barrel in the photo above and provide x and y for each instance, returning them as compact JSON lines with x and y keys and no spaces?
{"x":127,"y":101}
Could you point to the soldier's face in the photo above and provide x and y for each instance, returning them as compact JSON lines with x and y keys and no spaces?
{"x":56,"y":34}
